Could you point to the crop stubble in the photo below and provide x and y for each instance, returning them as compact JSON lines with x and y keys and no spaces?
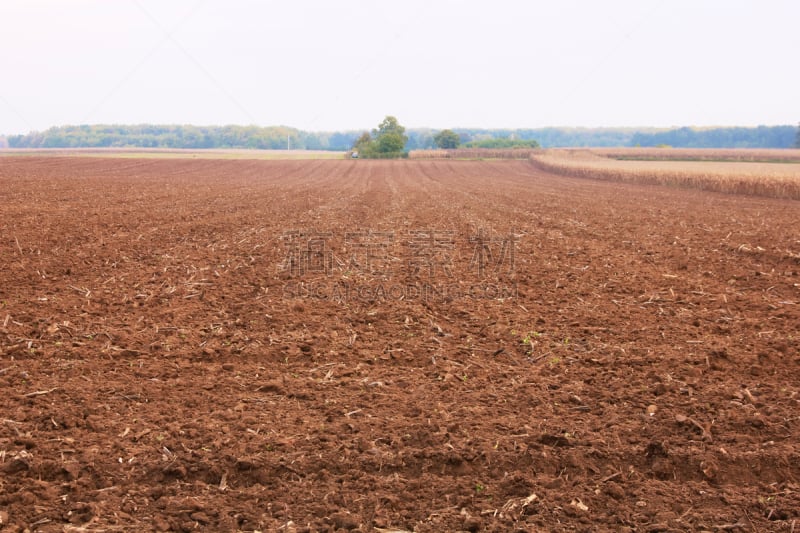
{"x":157,"y":374}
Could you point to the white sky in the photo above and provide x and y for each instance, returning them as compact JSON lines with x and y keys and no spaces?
{"x":333,"y":65}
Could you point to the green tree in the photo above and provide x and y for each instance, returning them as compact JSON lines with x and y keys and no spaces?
{"x":447,"y":139}
{"x":387,"y":140}
{"x":390,"y":137}
{"x":363,"y":144}
{"x":390,"y":143}
{"x":390,"y":125}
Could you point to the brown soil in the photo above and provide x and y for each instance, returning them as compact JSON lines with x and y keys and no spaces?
{"x":179,"y":352}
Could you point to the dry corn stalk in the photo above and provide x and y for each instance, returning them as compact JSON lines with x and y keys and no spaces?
{"x":762,"y":179}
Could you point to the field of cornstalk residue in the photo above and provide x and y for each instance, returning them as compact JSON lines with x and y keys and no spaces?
{"x":773,"y":173}
{"x":415,"y":345}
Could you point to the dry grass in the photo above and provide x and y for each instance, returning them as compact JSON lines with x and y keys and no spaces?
{"x":473,"y":153}
{"x":734,"y":176}
{"x":766,"y":155}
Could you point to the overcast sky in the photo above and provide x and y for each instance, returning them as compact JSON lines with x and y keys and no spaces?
{"x":333,"y":65}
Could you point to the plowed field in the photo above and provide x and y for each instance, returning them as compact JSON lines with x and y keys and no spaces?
{"x":391,"y":345}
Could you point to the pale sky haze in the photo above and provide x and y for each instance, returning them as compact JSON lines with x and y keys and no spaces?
{"x":324,"y":65}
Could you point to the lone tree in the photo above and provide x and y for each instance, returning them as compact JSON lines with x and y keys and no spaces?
{"x":387,"y":140}
{"x":447,"y":139}
{"x":390,"y":136}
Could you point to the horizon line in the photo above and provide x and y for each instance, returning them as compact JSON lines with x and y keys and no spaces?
{"x":432,"y":128}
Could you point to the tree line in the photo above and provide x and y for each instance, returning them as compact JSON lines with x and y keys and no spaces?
{"x":182,"y":136}
{"x":282,"y":137}
{"x":734,"y":137}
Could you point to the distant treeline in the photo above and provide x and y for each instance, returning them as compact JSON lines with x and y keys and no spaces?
{"x":282,"y":137}
{"x":733,"y":137}
{"x":181,"y":136}
{"x":760,"y":137}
